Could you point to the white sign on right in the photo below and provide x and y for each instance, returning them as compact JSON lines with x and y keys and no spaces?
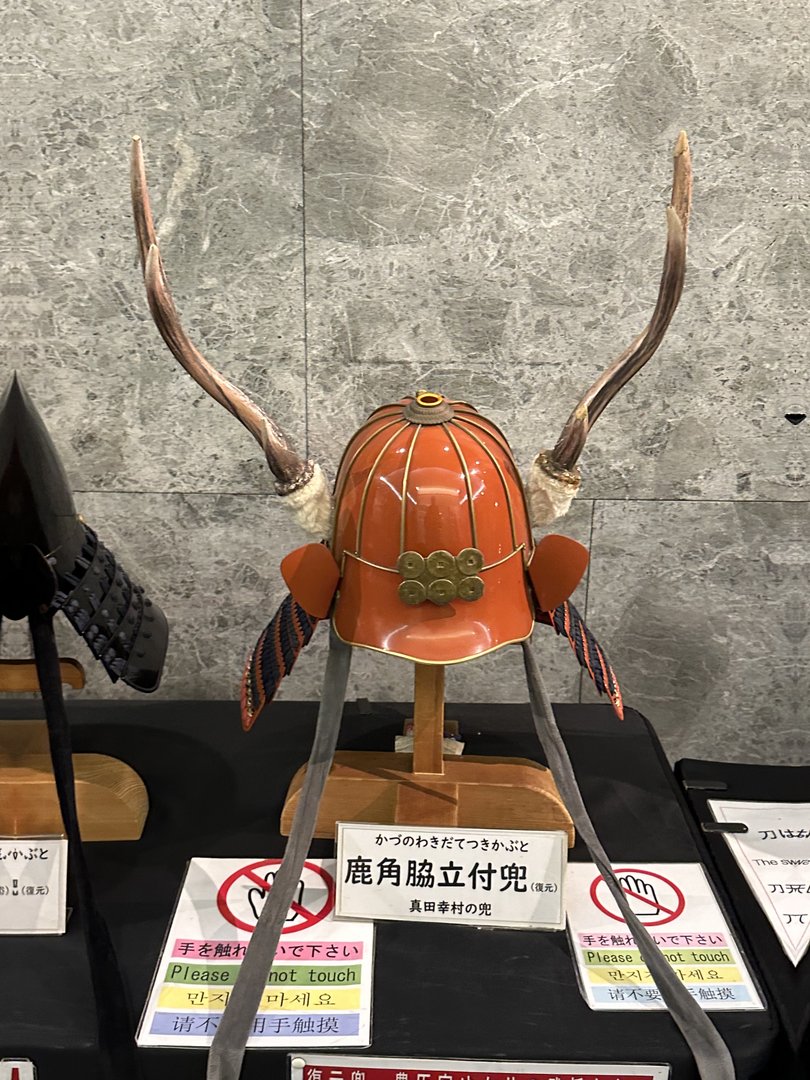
{"x":676,"y":904}
{"x":774,"y":856}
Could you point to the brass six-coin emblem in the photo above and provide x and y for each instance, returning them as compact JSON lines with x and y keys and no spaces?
{"x":441,"y":577}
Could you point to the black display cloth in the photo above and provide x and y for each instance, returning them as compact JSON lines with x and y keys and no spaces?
{"x":439,"y":991}
{"x":789,"y":986}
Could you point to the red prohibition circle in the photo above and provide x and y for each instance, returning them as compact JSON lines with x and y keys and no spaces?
{"x":670,"y":913}
{"x":251,"y":872}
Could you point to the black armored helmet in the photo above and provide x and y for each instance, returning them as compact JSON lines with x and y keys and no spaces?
{"x":50,"y":560}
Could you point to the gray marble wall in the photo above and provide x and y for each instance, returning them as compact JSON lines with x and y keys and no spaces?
{"x":358,"y":199}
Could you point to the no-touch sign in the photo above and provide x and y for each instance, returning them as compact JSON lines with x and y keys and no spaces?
{"x":242,"y":894}
{"x":676,"y":902}
{"x":318,"y":993}
{"x":653,"y":898}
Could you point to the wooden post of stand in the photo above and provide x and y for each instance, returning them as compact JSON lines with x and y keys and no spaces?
{"x":424,"y":788}
{"x":429,"y":798}
{"x":428,"y":719}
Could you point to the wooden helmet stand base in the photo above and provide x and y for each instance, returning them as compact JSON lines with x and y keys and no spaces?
{"x":110,"y":796}
{"x":427,"y":788}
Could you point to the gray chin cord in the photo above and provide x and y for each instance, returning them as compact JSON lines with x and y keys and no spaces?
{"x":712,"y":1057}
{"x":228,"y":1048}
{"x":227,"y":1052}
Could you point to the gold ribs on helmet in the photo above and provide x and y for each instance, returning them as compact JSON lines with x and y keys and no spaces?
{"x":440,"y":577}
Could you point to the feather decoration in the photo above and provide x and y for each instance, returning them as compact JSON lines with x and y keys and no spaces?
{"x":273,"y":657}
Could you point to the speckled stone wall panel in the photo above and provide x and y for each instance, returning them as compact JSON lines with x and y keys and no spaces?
{"x":485,"y":186}
{"x":359,"y":199}
{"x":485,"y":193}
{"x":215,"y":93}
{"x":704,"y":605}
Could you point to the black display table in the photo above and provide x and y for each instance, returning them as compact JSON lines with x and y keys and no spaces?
{"x":789,"y":986}
{"x":440,"y":991}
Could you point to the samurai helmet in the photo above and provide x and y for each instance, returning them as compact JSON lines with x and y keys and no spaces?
{"x":51,"y":560}
{"x":431,"y":520}
{"x":426,"y":548}
{"x":428,"y":555}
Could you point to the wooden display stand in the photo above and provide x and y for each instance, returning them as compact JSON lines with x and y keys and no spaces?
{"x":111,"y":798}
{"x":427,"y":788}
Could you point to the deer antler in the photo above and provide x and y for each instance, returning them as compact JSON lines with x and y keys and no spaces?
{"x":300,"y":481}
{"x":554,"y":479}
